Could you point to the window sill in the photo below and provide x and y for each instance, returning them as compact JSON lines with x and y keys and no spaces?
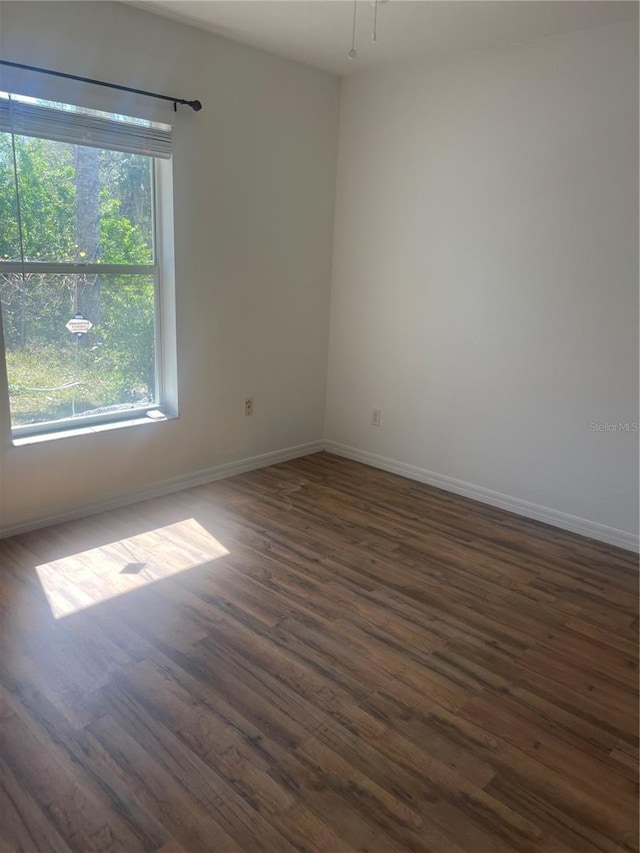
{"x":55,"y":435}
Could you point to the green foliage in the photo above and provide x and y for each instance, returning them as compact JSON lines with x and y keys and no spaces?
{"x":45,"y":384}
{"x":115,"y":361}
{"x":46,"y":177}
{"x":120,"y":240}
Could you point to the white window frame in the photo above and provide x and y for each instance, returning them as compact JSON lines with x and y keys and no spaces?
{"x":165,"y":349}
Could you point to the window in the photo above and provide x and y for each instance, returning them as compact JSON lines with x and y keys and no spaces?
{"x":85,"y":287}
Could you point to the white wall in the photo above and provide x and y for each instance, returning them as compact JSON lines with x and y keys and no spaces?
{"x":485,"y":280}
{"x":485,"y":264}
{"x":254,"y":179}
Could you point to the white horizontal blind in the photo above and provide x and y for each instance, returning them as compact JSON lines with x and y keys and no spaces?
{"x":82,"y":128}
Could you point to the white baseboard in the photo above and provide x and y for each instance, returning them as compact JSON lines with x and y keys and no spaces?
{"x":165,"y":487}
{"x":573,"y":523}
{"x":563,"y":520}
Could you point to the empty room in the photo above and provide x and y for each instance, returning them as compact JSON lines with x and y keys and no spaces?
{"x":319,"y":426}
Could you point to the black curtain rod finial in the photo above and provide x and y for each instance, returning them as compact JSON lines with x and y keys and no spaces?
{"x":195,"y":105}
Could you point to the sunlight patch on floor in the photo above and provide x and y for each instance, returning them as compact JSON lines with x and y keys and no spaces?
{"x":87,"y":578}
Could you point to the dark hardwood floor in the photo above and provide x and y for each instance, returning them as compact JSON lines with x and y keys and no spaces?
{"x":317,"y":656}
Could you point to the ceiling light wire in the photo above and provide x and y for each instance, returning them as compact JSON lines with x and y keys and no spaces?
{"x":374,"y":35}
{"x":353,"y":52}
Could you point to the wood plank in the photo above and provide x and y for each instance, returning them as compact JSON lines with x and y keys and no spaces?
{"x":317,"y":656}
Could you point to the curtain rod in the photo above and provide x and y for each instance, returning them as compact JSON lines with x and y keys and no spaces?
{"x":195,"y":105}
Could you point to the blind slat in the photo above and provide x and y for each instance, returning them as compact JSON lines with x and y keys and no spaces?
{"x":80,"y":128}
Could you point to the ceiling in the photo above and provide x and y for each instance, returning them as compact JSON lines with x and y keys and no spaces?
{"x":318,"y":33}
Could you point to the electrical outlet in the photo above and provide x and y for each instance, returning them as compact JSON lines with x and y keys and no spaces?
{"x":376,"y":417}
{"x":248,"y":407}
